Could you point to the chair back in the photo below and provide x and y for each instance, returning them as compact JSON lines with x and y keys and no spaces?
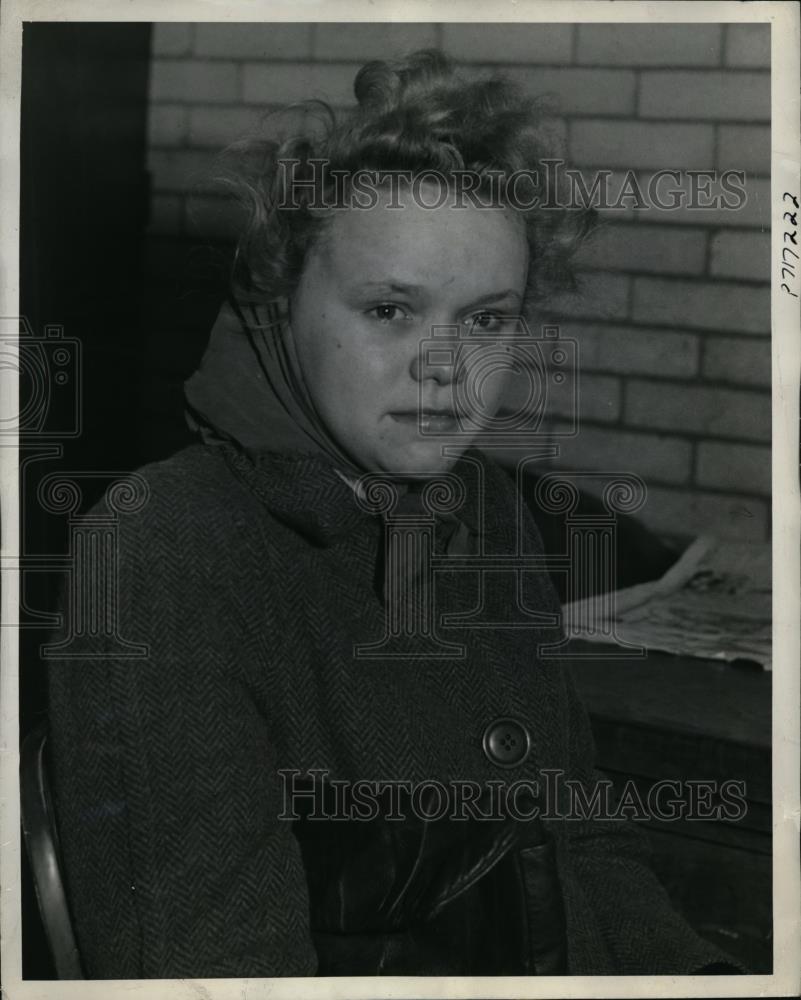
{"x":40,"y":835}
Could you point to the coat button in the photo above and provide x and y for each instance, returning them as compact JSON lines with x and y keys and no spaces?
{"x":506,"y":742}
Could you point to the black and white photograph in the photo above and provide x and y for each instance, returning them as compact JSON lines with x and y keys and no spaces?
{"x":399,"y":452}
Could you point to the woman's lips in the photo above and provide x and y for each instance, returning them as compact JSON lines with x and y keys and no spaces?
{"x":436,"y":421}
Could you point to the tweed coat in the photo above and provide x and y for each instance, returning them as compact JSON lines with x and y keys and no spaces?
{"x":249,"y":579}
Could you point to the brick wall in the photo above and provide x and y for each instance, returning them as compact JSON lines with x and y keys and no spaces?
{"x":673,"y":313}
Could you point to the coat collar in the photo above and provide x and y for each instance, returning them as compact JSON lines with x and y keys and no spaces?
{"x":302,"y":491}
{"x":306,"y":493}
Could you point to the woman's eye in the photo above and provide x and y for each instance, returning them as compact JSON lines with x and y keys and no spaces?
{"x":484,"y":321}
{"x":387,"y":312}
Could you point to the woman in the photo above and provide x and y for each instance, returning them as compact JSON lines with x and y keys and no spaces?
{"x":261,"y":794}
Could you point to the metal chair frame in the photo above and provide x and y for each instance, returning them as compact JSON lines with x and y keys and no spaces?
{"x":40,"y":835}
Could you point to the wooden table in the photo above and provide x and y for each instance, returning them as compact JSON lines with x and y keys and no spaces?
{"x":668,"y":717}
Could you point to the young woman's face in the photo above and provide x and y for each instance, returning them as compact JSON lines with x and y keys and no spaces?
{"x":372,"y":290}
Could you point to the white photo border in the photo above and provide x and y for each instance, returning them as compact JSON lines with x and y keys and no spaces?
{"x":783,"y":15}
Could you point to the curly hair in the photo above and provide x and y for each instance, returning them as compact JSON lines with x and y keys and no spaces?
{"x":413,"y":116}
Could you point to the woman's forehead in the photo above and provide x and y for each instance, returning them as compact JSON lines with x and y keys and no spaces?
{"x":418,"y":245}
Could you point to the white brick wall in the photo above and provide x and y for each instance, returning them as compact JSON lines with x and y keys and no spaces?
{"x":701,"y":94}
{"x":729,"y":413}
{"x":363,"y":41}
{"x":737,"y":254}
{"x":513,"y":43}
{"x":646,"y":248}
{"x":167,"y":125}
{"x":243,"y":41}
{"x":744,"y":147}
{"x":740,"y":360}
{"x":754,"y":211}
{"x":748,"y":45}
{"x":602,"y":92}
{"x":196,"y":81}
{"x":215,"y":127}
{"x":598,"y":399}
{"x":282,"y":83}
{"x":707,"y":305}
{"x":631,"y":350}
{"x":641,"y":144}
{"x":598,"y":296}
{"x":649,"y":45}
{"x":172,"y":39}
{"x":723,"y":466}
{"x":661,"y":458}
{"x":672,"y":315}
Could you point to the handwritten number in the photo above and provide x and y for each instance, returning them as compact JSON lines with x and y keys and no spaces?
{"x":791,"y":217}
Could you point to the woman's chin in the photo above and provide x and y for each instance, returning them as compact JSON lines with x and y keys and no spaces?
{"x":425,"y":459}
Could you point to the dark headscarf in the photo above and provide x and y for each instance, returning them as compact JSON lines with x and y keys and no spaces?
{"x":250,"y":390}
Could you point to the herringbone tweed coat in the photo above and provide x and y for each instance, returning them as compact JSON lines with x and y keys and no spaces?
{"x":250,"y":580}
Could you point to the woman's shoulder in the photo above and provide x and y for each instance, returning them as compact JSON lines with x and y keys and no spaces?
{"x":192,"y":495}
{"x":195,"y":466}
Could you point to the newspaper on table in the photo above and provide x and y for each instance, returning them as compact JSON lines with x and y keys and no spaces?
{"x":713,"y":603}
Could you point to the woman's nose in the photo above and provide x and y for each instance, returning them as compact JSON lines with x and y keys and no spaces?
{"x":437,"y":357}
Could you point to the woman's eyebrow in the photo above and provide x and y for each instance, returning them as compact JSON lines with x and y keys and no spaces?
{"x":405,"y":288}
{"x":391,"y":285}
{"x":485,"y":300}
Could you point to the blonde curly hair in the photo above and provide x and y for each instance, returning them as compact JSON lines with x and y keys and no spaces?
{"x":413,"y":116}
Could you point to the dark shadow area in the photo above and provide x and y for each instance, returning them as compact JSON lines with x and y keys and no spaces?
{"x":82,"y":212}
{"x":113,"y":319}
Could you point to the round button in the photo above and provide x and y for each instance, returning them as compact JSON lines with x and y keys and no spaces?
{"x":506,"y":742}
